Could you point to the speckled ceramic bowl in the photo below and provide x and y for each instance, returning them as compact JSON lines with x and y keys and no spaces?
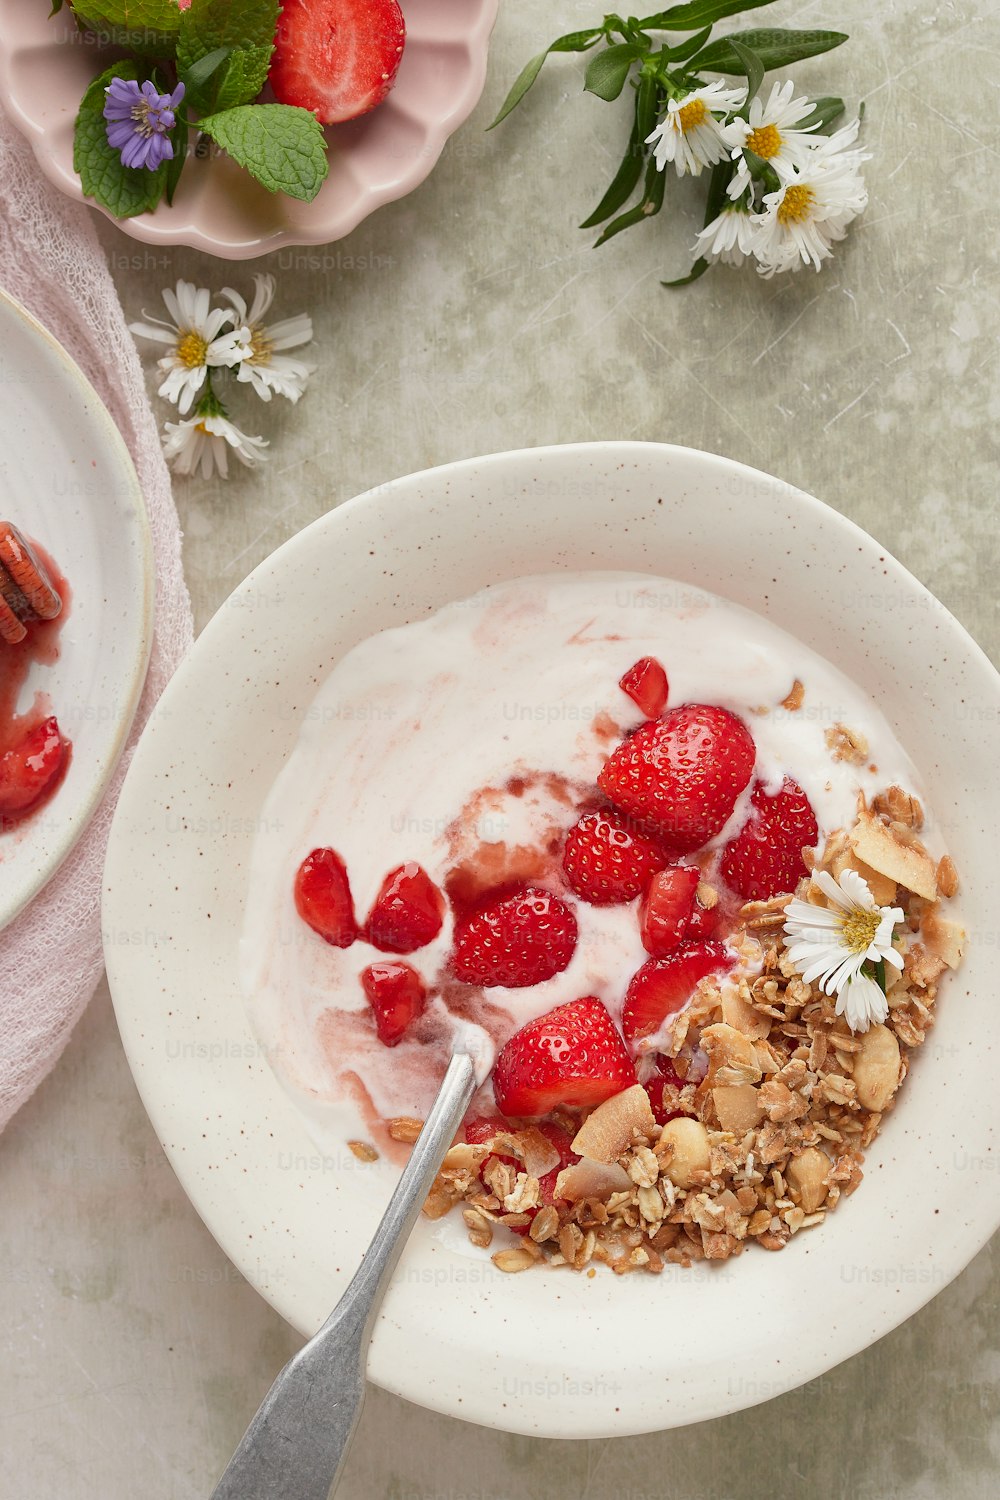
{"x":547,"y":1352}
{"x":46,"y":64}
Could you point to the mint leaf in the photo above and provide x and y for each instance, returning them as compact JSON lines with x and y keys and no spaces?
{"x":123,"y":191}
{"x":141,"y":17}
{"x":245,"y":28}
{"x":279,"y":144}
{"x":776,"y":49}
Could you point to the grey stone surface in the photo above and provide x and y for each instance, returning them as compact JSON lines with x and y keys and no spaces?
{"x":475,"y":317}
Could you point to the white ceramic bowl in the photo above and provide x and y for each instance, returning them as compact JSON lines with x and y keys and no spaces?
{"x":46,"y":63}
{"x":69,"y":483}
{"x":547,"y":1352}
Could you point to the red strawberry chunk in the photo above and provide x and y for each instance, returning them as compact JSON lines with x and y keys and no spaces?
{"x":323,"y":897}
{"x":683,"y":773}
{"x":765,"y":857}
{"x":573,"y":1055}
{"x":702,"y":922}
{"x":408,"y":911}
{"x":31,"y":768}
{"x":396,"y":995}
{"x":338,"y":58}
{"x":567,"y":1156}
{"x":514,"y":940}
{"x":664,"y":985}
{"x":665,"y":914}
{"x":607,"y":860}
{"x":661,"y":1086}
{"x":646,"y":684}
{"x":483,"y":1128}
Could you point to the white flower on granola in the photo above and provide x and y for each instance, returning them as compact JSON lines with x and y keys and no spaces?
{"x":834,"y":945}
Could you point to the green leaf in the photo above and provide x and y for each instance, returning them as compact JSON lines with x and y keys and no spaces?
{"x":699,"y":268}
{"x":753,"y":67}
{"x":647,"y":103}
{"x":608,"y":70}
{"x":652,"y":202}
{"x":279,"y":144}
{"x":776,"y":49}
{"x":245,"y":28}
{"x":198,"y":73}
{"x":123,"y":191}
{"x":627,"y":177}
{"x":574,"y":41}
{"x":141,"y":17}
{"x":823,"y":113}
{"x":689,"y":47}
{"x":178,"y":161}
{"x":698,"y":13}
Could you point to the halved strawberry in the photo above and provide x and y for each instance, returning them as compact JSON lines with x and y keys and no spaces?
{"x":765,"y":857}
{"x":664,"y":985}
{"x":31,"y":768}
{"x":338,"y":58}
{"x":702,"y":922}
{"x":646,"y":684}
{"x":396,"y":995}
{"x":514,"y":940}
{"x":665,"y":914}
{"x":607,"y":860}
{"x":573,"y":1055}
{"x":323,"y":897}
{"x":407,"y":913}
{"x":683,"y":773}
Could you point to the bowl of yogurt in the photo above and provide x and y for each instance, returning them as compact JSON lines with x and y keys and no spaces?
{"x":428,"y":674}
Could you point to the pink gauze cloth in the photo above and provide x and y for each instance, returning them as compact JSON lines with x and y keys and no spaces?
{"x":51,"y":262}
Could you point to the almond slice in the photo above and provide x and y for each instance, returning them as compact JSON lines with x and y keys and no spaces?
{"x":591,"y":1179}
{"x":731,"y":1056}
{"x":612,"y":1127}
{"x":530,"y":1146}
{"x":738,"y":1107}
{"x":744,"y":1017}
{"x":908,"y":864}
{"x":876,"y":1069}
{"x":943,"y":938}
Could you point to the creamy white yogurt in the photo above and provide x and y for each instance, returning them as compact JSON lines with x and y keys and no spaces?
{"x":407,"y":753}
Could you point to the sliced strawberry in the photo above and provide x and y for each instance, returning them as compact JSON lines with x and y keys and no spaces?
{"x":323,"y":897}
{"x":407,"y":913}
{"x":573,"y":1055}
{"x":664,"y":985}
{"x":703,"y":921}
{"x":683,"y":773}
{"x":396,"y":995}
{"x":483,"y":1128}
{"x":665,"y":914}
{"x":765,"y":857}
{"x":662,"y":1086}
{"x":515,"y":940}
{"x":646,"y":684}
{"x":567,"y":1156}
{"x":338,"y":58}
{"x":607,"y":860}
{"x":31,"y":768}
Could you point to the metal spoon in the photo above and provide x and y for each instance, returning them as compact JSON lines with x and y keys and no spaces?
{"x":296,"y":1445}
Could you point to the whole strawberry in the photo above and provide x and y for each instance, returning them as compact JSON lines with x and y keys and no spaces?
{"x":683,"y":773}
{"x":765,"y":857}
{"x":573,"y":1055}
{"x":607,"y":860}
{"x":514,"y":940}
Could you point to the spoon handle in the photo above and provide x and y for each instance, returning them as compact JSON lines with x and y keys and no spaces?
{"x":296,"y":1445}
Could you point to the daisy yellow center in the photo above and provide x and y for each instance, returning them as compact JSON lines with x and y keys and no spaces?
{"x":260,"y":348}
{"x":765,"y":141}
{"x":859,"y":929}
{"x":691,"y":114}
{"x":191,"y":349}
{"x":796,"y":204}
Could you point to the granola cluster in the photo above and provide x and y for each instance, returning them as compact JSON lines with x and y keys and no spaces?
{"x":770,"y":1135}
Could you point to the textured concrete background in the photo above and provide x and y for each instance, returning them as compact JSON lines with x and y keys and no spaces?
{"x":470,"y":318}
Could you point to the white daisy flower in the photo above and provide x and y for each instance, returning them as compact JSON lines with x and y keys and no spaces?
{"x":770,"y":133}
{"x":193,"y":337}
{"x":731,"y":237}
{"x":691,"y":132}
{"x":831,"y":944}
{"x":807,"y":215}
{"x":255,"y":347}
{"x":203,"y":443}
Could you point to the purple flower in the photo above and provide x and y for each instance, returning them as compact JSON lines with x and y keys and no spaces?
{"x":138,"y":120}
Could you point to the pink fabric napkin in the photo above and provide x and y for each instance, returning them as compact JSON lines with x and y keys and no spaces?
{"x":51,"y":261}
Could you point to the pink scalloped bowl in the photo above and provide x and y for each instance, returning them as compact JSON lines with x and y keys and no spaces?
{"x":46,"y":64}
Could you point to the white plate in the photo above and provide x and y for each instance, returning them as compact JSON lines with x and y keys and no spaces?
{"x":68,"y":481}
{"x":547,"y":1352}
